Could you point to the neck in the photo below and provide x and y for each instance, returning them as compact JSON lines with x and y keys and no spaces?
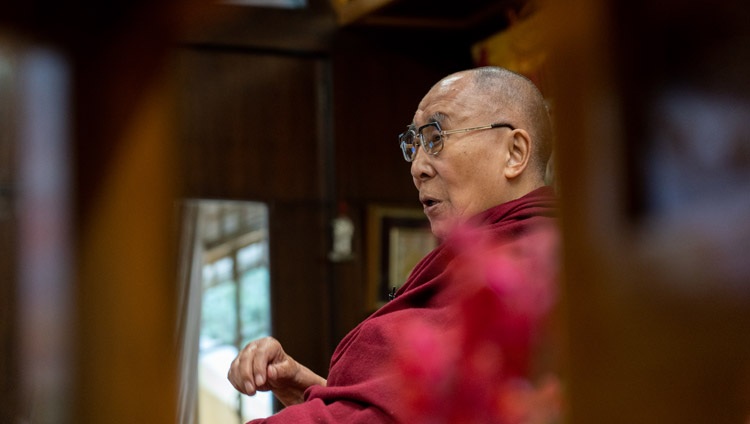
{"x":523,"y":186}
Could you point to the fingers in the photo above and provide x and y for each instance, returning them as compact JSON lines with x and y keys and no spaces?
{"x":238,"y":373}
{"x":260,"y":363}
{"x":248,"y":371}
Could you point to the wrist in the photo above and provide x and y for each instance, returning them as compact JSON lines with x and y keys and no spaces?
{"x":294,"y":393}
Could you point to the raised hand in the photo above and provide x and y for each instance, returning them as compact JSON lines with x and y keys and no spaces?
{"x":263,"y":365}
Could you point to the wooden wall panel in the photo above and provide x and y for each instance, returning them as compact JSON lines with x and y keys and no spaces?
{"x":251,"y":130}
{"x":300,"y":283}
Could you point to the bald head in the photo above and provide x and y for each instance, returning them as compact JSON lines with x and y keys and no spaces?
{"x":501,"y":92}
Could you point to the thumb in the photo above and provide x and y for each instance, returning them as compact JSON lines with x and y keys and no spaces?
{"x":272,"y":372}
{"x":281,"y":371}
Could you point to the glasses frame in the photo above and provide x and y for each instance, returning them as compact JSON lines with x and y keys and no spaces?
{"x":410,"y":149}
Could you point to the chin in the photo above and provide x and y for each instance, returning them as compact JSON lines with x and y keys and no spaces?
{"x":442,"y":226}
{"x":439,"y":230}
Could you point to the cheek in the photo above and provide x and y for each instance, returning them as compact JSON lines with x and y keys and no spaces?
{"x":462,"y":196}
{"x":472,"y":188}
{"x":466,"y":168}
{"x":459,"y":171}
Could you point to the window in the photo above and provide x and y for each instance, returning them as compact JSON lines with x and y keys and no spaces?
{"x":230,"y":305}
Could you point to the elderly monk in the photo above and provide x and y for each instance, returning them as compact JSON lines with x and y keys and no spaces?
{"x":478,"y":146}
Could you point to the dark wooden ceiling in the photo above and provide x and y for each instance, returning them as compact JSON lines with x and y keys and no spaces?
{"x":426,"y":14}
{"x":311,"y":28}
{"x":466,"y":20}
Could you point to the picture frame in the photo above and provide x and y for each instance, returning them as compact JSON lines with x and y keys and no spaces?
{"x":398,"y":238}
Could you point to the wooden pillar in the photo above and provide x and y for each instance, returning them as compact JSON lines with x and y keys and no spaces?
{"x":126,"y":292}
{"x":111,"y":298}
{"x":656,"y":299}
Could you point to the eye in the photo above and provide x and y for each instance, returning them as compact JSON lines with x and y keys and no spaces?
{"x":434,"y":140}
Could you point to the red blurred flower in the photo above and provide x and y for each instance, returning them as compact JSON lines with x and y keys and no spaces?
{"x":478,"y":369}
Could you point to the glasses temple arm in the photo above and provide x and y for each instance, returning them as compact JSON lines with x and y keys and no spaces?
{"x":483,"y":127}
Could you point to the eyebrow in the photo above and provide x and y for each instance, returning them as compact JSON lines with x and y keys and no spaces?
{"x":437,"y":117}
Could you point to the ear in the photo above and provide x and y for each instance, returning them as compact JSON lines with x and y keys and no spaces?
{"x":519,"y":153}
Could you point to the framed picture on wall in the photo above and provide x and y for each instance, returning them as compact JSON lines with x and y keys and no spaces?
{"x":397,"y":239}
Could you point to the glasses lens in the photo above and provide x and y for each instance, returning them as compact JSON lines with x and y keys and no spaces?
{"x":408,"y":148}
{"x":433,"y":141}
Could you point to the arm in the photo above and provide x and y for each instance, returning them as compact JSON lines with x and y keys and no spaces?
{"x":263,"y":365}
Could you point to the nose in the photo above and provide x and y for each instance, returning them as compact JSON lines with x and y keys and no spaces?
{"x":421,"y":167}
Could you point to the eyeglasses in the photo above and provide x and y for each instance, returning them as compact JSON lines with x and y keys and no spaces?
{"x":431,"y":138}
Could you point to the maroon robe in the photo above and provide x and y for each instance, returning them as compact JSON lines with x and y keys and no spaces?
{"x":360,"y":385}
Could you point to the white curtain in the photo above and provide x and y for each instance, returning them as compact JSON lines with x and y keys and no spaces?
{"x":189,"y":310}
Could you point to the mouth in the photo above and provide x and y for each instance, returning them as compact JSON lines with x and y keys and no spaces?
{"x":428,"y":202}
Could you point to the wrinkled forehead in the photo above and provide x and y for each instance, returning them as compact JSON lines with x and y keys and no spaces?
{"x":450,"y":100}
